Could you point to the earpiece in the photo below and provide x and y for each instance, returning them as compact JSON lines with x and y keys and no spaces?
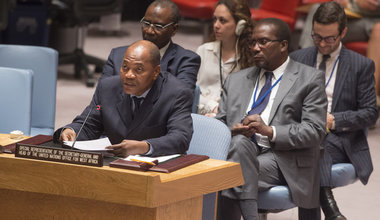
{"x":240,"y":27}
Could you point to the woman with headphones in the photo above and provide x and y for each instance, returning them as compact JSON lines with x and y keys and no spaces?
{"x":227,"y":53}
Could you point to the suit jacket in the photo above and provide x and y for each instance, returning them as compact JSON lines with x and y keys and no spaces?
{"x":164,"y":119}
{"x":182,"y":63}
{"x":353,"y":105}
{"x":299,"y":116}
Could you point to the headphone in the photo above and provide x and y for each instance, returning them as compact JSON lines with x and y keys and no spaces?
{"x":240,"y":27}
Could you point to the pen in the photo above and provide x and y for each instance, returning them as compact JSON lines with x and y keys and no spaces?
{"x":136,"y":160}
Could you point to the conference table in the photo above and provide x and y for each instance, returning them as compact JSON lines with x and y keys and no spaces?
{"x":37,"y":189}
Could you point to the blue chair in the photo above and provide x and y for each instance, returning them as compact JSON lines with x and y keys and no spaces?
{"x":211,"y":137}
{"x":197,"y":94}
{"x":278,"y":198}
{"x":16,"y":87}
{"x":43,"y":61}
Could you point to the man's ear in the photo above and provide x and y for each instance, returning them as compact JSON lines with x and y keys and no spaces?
{"x":284,"y":46}
{"x":344,"y":32}
{"x":175,"y":29}
{"x":157,"y":70}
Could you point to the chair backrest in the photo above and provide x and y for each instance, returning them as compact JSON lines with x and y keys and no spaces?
{"x":211,"y":137}
{"x":44,"y":62}
{"x":197,"y":94}
{"x":87,"y":10}
{"x":16,"y":87}
{"x":287,"y":9}
{"x":271,"y":8}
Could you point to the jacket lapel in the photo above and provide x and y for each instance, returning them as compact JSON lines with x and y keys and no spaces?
{"x":341,"y":75}
{"x":168,"y":55}
{"x":124,"y":108}
{"x":286,"y":83}
{"x":247,"y":87}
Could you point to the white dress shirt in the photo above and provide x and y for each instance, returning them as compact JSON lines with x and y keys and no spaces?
{"x":331,"y":70}
{"x":277,"y":73}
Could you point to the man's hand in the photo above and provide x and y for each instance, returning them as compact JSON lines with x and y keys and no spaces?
{"x":257,"y":125}
{"x":67,"y":135}
{"x":129,"y":147}
{"x":329,"y":121}
{"x":242,"y":129}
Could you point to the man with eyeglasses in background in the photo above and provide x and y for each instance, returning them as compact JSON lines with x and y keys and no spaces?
{"x":276,"y":112}
{"x":159,"y":25}
{"x":351,"y":100}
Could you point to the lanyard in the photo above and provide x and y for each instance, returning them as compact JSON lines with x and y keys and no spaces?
{"x":332,"y":71}
{"x":256,"y":103}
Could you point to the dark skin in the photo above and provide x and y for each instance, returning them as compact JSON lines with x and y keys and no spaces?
{"x":269,"y":56}
{"x":158,"y":15}
{"x":137,"y":75}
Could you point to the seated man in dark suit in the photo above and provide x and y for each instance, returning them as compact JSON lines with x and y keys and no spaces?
{"x":276,"y":112}
{"x":159,"y":25}
{"x":160,"y":124}
{"x":351,"y":99}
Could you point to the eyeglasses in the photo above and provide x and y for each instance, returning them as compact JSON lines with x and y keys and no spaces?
{"x":156,"y":27}
{"x":262,"y":42}
{"x":329,"y":39}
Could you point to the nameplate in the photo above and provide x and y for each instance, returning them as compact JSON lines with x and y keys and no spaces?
{"x":59,"y":155}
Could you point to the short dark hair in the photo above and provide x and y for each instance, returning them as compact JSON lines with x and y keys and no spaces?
{"x":331,"y":12}
{"x":282,"y":30}
{"x":168,"y":4}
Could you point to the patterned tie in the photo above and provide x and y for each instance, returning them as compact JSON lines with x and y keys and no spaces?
{"x":322,"y":65}
{"x":261,"y":106}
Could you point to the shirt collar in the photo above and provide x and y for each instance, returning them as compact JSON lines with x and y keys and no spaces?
{"x":334,"y":55}
{"x":143,"y":95}
{"x":163,"y":50}
{"x":277,"y":72}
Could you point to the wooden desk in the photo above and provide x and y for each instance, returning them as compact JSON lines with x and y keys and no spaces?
{"x":33,"y":189}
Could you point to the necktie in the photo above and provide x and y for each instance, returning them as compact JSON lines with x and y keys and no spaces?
{"x":137,"y":102}
{"x":322,"y":65}
{"x":261,"y":106}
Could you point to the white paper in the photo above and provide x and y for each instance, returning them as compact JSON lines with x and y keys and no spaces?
{"x":91,"y":145}
{"x":151,"y":159}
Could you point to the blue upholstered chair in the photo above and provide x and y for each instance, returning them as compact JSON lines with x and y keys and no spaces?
{"x":16,"y":87}
{"x":197,"y":94}
{"x":212,"y":138}
{"x":43,"y":61}
{"x":278,"y":198}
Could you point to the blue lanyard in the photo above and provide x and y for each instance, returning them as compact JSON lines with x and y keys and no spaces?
{"x":255,"y":103}
{"x":332,"y":71}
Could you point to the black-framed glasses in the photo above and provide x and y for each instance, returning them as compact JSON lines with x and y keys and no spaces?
{"x":156,"y":27}
{"x":329,"y":39}
{"x":262,"y":42}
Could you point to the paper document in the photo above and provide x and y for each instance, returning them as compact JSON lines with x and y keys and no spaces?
{"x":151,"y":159}
{"x":91,"y":145}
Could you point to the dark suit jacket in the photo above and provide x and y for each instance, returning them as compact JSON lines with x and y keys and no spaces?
{"x":353,"y":105}
{"x":164,"y":120}
{"x":182,"y":63}
{"x":299,"y":116}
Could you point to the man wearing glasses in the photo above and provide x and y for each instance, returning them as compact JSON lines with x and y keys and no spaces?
{"x":276,"y":112}
{"x":159,"y":25}
{"x":351,"y":99}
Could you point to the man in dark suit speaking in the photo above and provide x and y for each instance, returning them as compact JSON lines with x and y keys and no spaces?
{"x":351,"y":99}
{"x":276,"y":113}
{"x":159,"y":25}
{"x":143,"y":111}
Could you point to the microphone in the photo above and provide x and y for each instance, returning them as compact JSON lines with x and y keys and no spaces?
{"x":84,"y":122}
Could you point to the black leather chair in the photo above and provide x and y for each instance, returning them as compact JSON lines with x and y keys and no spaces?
{"x":80,"y":13}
